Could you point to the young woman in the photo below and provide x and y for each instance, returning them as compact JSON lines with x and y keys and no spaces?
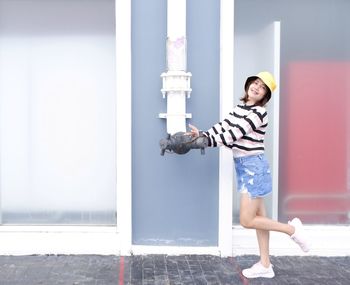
{"x":243,"y":131}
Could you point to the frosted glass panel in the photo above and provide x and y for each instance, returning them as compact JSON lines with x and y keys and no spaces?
{"x":314,"y":156}
{"x":57,"y":117}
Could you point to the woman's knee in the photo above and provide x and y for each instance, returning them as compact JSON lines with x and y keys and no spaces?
{"x":246,"y":222}
{"x":249,"y":209}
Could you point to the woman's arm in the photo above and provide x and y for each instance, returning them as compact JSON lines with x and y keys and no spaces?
{"x":235,"y":127}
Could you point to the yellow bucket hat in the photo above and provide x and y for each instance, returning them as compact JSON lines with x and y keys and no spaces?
{"x":266,"y":77}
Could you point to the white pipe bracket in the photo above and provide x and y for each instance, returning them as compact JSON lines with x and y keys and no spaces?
{"x":176,"y":81}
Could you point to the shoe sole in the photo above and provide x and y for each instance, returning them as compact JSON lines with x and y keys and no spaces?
{"x":259,"y":276}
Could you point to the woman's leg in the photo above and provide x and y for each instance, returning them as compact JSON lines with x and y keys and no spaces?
{"x":249,"y":210}
{"x":249,"y":219}
{"x":264,"y":267}
{"x":263,"y":237}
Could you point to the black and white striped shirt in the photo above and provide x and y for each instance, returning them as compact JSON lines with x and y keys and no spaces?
{"x":243,"y":130}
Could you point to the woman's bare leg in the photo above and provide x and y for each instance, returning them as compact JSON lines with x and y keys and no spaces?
{"x":263,"y":237}
{"x":249,"y":219}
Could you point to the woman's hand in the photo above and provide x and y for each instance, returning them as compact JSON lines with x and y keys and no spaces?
{"x":194,"y":131}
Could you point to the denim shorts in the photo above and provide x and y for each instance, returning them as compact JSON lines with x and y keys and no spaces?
{"x":253,"y":175}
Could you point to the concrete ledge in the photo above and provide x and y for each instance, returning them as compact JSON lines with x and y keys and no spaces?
{"x":326,"y":241}
{"x":27,"y":240}
{"x":175,"y":250}
{"x":101,"y":240}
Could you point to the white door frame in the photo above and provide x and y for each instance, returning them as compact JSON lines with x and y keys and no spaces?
{"x":123,"y":124}
{"x":124,"y":139}
{"x":226,"y":105}
{"x":229,"y":237}
{"x":21,"y":240}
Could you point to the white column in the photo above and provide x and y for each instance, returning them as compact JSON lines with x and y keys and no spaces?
{"x":276,"y":120}
{"x":176,"y":21}
{"x":176,"y":81}
{"x":123,"y":124}
{"x":226,"y":105}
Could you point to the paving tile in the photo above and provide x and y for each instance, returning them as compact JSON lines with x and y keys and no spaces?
{"x":168,"y":270}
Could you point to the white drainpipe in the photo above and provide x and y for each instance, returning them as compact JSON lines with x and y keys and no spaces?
{"x":176,"y":81}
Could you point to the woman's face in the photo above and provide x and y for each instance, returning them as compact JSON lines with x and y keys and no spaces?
{"x":256,"y":91}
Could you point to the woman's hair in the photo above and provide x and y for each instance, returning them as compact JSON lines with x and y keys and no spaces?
{"x":263,"y":101}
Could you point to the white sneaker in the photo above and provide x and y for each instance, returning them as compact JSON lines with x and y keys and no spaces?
{"x":258,"y":270}
{"x":299,"y":235}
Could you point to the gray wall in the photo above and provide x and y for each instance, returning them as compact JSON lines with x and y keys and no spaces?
{"x":175,"y":198}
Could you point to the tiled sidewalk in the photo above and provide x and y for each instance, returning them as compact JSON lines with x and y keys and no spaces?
{"x":162,"y":269}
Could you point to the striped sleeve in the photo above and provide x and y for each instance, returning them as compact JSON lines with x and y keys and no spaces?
{"x":240,"y":123}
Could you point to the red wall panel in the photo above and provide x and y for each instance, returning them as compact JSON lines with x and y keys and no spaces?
{"x":314,"y":141}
